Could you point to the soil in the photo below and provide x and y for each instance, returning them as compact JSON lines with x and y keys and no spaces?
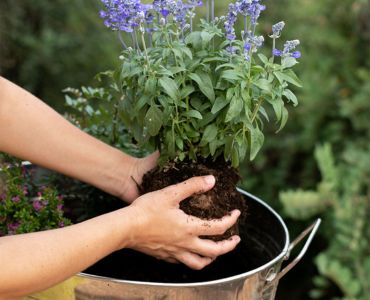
{"x":214,"y":204}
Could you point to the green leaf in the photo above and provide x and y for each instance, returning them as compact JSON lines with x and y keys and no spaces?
{"x":153,"y":120}
{"x":284,"y":118}
{"x":257,"y":139}
{"x":263,"y":58}
{"x":179,"y":143}
{"x":263,"y":84}
{"x":170,"y":87}
{"x":210,"y":133}
{"x":193,"y":114}
{"x":141,"y":102}
{"x":231,"y":75}
{"x":194,"y":39}
{"x":150,"y":86}
{"x":186,"y":91}
{"x":288,"y":76}
{"x":236,"y":106}
{"x":291,"y":97}
{"x":235,"y":156}
{"x":277,"y":105}
{"x":175,"y":70}
{"x":213,"y":147}
{"x":187,"y":52}
{"x":219,"y":104}
{"x":205,"y":84}
{"x":288,"y":62}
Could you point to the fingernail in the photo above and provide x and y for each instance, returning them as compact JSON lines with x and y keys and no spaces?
{"x":237,"y":239}
{"x":237,"y":212}
{"x":210,"y":180}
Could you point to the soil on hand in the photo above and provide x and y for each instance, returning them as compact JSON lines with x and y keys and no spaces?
{"x":214,"y":204}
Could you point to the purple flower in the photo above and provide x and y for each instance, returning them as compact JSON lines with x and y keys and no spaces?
{"x":277,"y":52}
{"x":230,"y":21}
{"x":60,"y":207}
{"x":232,"y":49}
{"x":296,"y":54}
{"x":165,"y":12}
{"x":254,"y":41}
{"x":16,"y":199}
{"x":123,"y":15}
{"x":61,"y":224}
{"x":277,"y":28}
{"x":247,"y":46}
{"x":251,"y":8}
{"x":289,"y":46}
{"x":37,"y":205}
{"x":12,"y":227}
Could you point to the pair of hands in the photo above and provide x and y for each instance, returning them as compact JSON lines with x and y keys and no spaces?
{"x":164,"y":231}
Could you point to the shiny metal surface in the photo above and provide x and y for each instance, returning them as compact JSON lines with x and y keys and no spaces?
{"x":257,"y":284}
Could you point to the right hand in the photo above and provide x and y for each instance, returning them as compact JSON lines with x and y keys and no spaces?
{"x":164,"y":231}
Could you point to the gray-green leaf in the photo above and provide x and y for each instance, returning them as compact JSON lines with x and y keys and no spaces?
{"x":170,"y":87}
{"x":153,"y":120}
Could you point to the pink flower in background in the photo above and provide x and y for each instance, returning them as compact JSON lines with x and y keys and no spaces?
{"x":16,"y":199}
{"x":37,"y":205}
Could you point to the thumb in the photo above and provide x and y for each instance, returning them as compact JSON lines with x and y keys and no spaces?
{"x":185,"y":189}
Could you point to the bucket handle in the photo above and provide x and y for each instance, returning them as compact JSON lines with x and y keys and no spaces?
{"x":313,"y":229}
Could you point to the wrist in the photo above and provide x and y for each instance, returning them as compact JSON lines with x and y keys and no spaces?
{"x":118,"y":175}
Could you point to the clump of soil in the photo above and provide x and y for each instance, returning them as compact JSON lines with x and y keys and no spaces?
{"x":214,"y":204}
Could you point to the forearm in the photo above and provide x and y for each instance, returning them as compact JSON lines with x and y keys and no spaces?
{"x":31,"y":130}
{"x":36,"y":261}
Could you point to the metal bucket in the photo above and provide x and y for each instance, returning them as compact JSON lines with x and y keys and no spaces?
{"x":265,"y":245}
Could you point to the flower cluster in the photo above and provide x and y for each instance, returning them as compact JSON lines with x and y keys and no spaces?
{"x":127,"y":15}
{"x":26,"y":208}
{"x":123,"y":15}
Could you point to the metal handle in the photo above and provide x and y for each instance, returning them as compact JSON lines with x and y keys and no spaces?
{"x":313,"y":229}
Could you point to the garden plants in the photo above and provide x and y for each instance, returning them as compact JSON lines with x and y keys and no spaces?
{"x":24,"y":206}
{"x":200,"y":95}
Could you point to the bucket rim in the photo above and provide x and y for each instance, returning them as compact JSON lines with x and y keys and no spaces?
{"x":243,"y":276}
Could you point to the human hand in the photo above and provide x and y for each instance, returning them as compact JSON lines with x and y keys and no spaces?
{"x":140,"y":166}
{"x":164,"y":231}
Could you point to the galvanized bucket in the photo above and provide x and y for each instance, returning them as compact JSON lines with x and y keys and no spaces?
{"x":265,"y":240}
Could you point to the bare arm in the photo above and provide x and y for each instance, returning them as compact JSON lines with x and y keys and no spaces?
{"x":31,"y":130}
{"x":153,"y":224}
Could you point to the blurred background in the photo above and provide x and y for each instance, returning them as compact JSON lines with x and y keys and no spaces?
{"x":318,"y":166}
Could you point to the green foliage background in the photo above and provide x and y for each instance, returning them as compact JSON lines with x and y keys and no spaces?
{"x":46,"y":46}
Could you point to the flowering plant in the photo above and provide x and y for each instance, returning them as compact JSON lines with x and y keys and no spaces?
{"x":199,"y":93}
{"x":24,"y":207}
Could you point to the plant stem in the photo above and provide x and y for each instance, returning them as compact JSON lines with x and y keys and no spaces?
{"x":256,"y":109}
{"x":207,"y":6}
{"x":137,"y":41}
{"x":145,"y":50}
{"x":213,"y":10}
{"x":121,"y":40}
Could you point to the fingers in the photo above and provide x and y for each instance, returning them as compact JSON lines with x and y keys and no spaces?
{"x":194,"y":261}
{"x":185,"y":189}
{"x":152,"y":160}
{"x":215,"y":227}
{"x":214,"y":249}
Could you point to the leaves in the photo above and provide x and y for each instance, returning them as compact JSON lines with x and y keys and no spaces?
{"x":204,"y":83}
{"x":193,"y":114}
{"x":170,"y":87}
{"x":236,"y":106}
{"x":219,"y":104}
{"x":153,"y":120}
{"x":257,"y":139}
